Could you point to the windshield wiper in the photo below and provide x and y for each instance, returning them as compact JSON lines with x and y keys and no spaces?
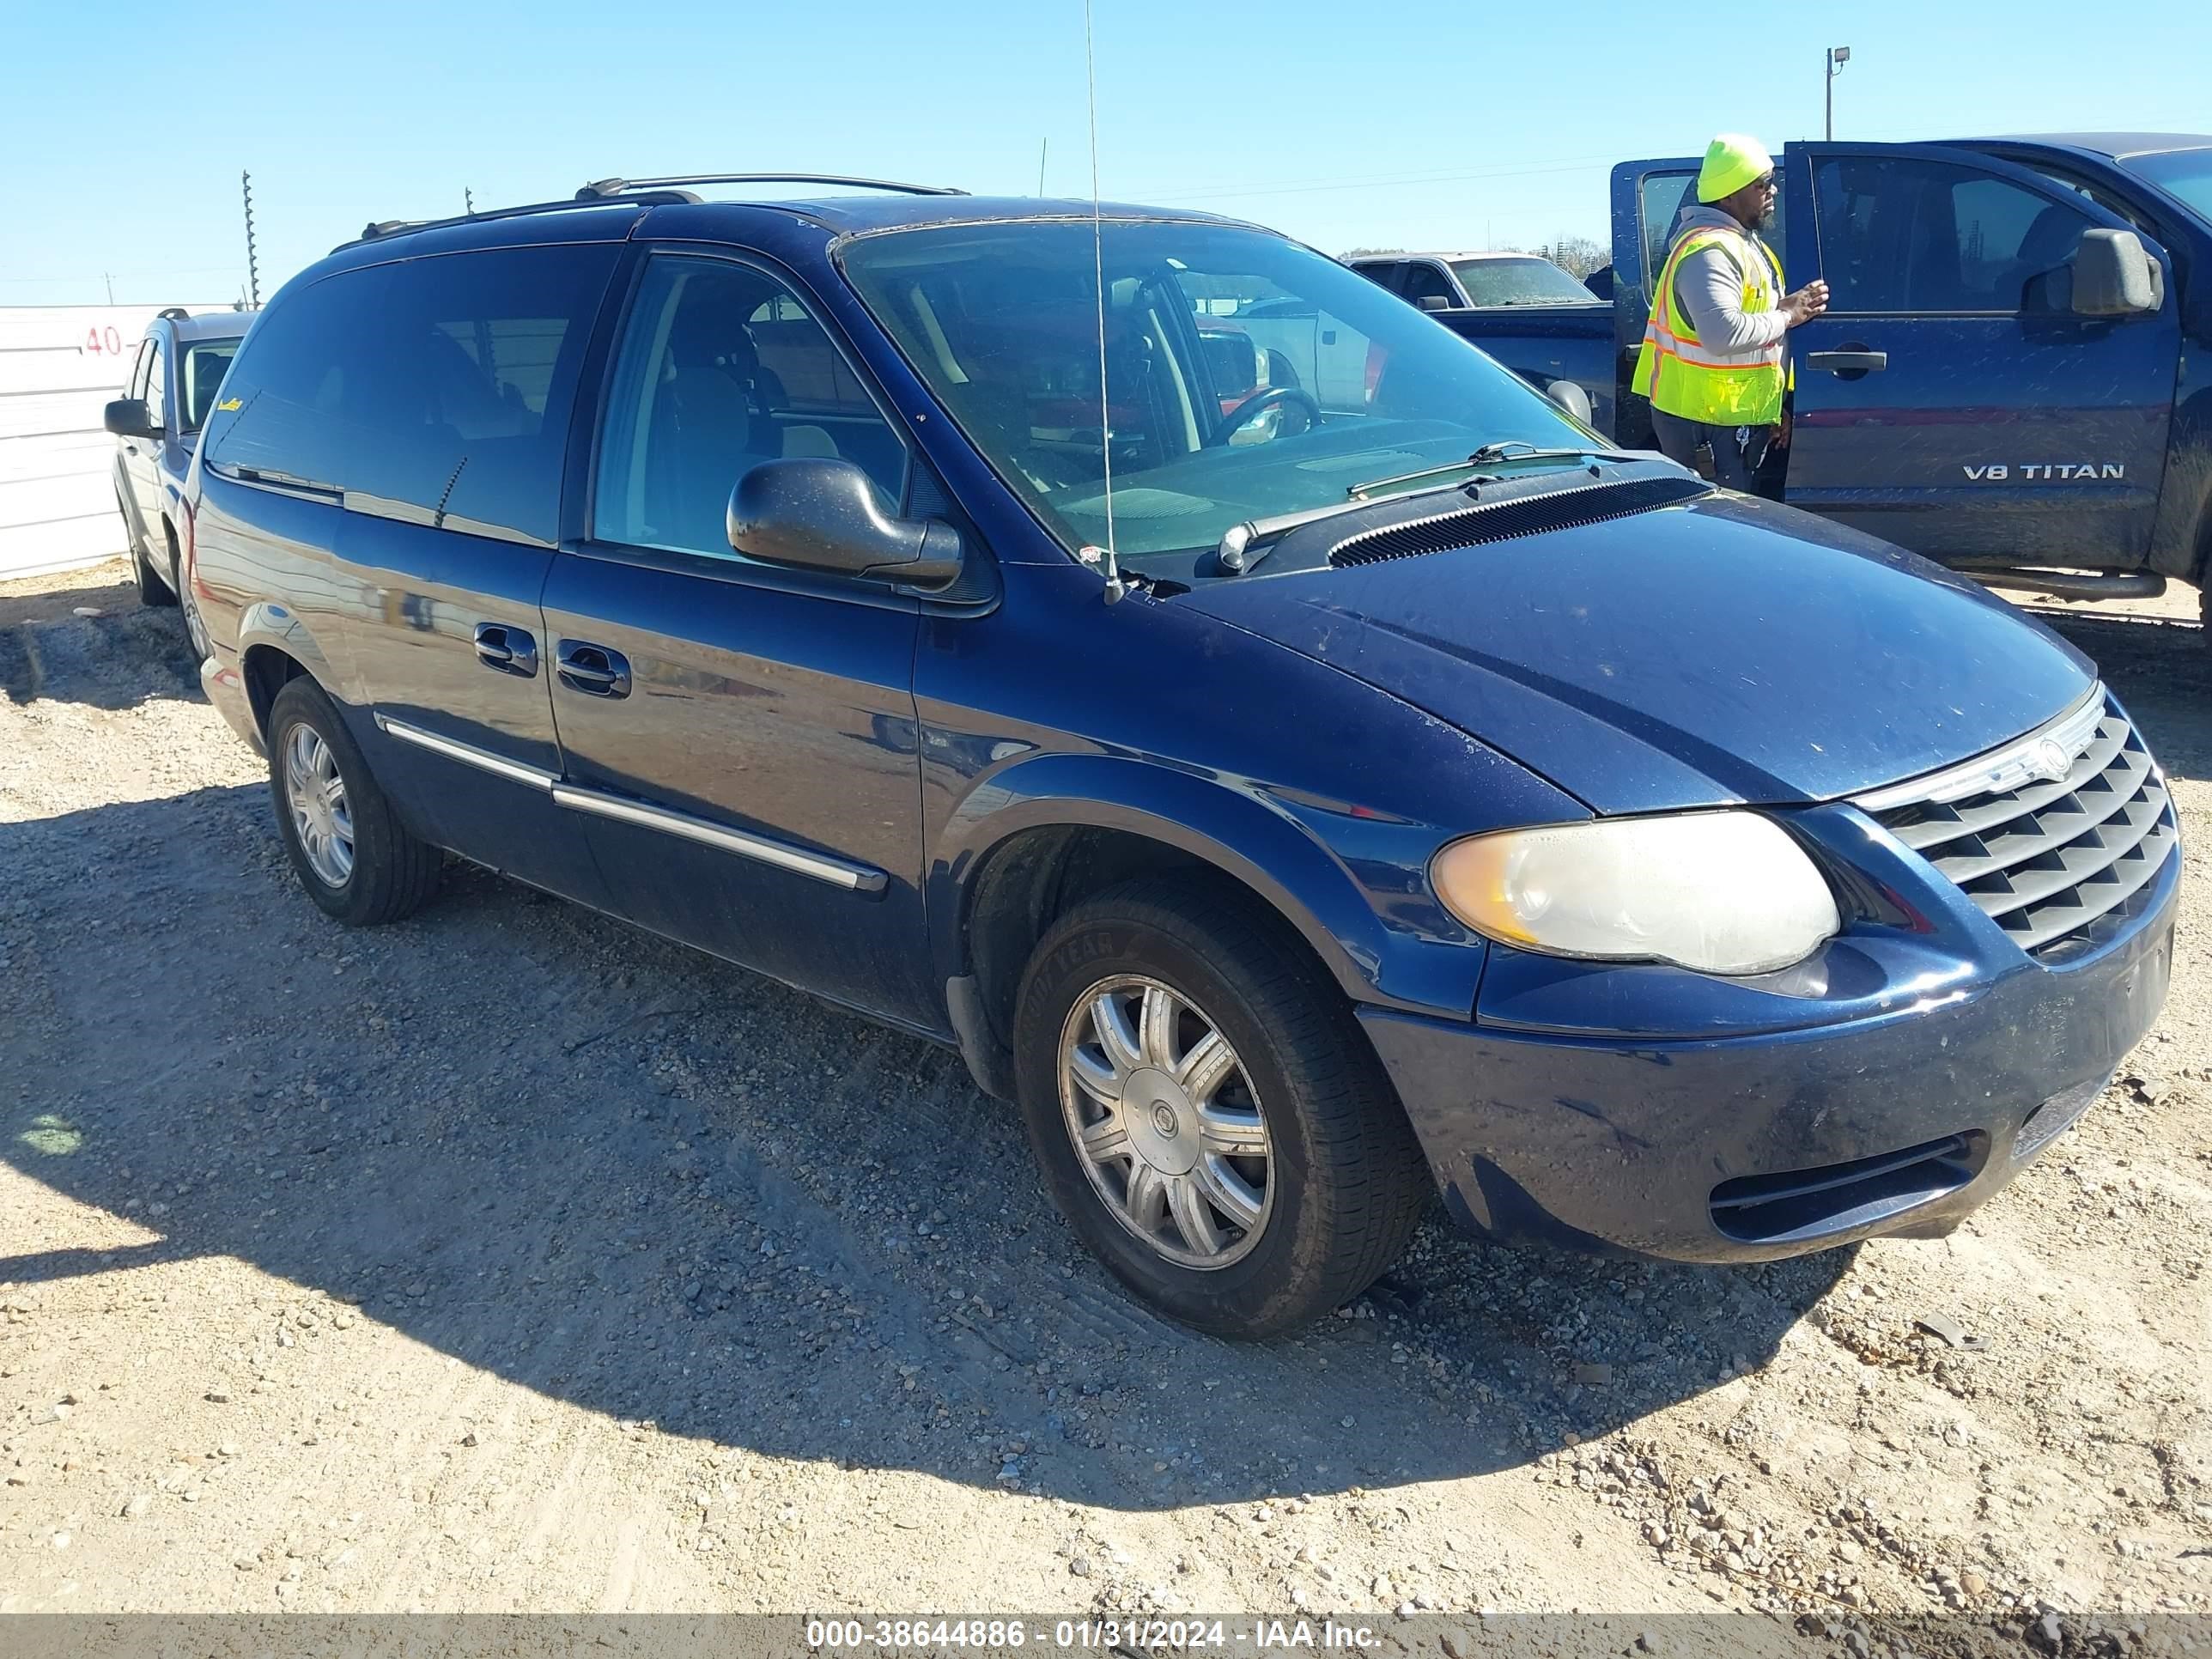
{"x":1510,"y":449}
{"x":1520,"y":449}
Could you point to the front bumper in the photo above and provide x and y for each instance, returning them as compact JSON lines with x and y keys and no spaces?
{"x":1755,"y":1147}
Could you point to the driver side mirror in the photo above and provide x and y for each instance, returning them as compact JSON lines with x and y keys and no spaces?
{"x":1433,"y":302}
{"x":2114,"y":276}
{"x":128,"y":417}
{"x":809,"y":512}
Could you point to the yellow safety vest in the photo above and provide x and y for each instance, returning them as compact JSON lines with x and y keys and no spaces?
{"x":1683,"y":378}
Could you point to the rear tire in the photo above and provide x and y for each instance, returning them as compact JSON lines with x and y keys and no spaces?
{"x":1283,"y":1180}
{"x":347,"y":846}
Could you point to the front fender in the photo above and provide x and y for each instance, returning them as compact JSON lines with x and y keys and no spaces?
{"x":1354,"y":884}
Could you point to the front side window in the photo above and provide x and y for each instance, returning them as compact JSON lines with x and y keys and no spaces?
{"x":1519,"y":281}
{"x":156,"y":383}
{"x":2184,"y":173}
{"x":720,"y":368}
{"x":1900,"y":235}
{"x":1245,"y":376}
{"x":206,"y":362}
{"x":1427,"y":282}
{"x":436,"y":390}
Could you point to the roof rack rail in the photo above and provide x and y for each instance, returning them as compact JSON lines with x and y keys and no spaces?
{"x":177,"y":312}
{"x":376,"y":229}
{"x":601,"y":188}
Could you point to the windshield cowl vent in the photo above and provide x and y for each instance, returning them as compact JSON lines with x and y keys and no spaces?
{"x":1524,"y":515}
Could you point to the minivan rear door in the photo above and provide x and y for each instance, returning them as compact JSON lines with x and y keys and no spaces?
{"x":437,"y":393}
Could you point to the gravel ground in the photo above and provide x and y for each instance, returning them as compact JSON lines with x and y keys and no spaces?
{"x":509,"y":1259}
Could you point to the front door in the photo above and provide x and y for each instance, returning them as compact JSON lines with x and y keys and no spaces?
{"x":740,"y":741}
{"x":144,"y":455}
{"x":1949,"y":400}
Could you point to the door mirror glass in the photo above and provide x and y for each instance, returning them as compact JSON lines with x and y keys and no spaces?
{"x":2114,"y":276}
{"x":127,"y":417}
{"x":814,"y":513}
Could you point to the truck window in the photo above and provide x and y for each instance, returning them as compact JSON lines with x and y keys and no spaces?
{"x":157,"y":384}
{"x":1424,"y":281}
{"x":1899,"y":234}
{"x":1659,"y":198}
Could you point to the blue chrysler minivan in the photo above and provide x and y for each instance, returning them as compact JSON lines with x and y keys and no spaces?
{"x":1279,"y":750}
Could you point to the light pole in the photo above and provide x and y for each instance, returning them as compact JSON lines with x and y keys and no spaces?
{"x":1837,"y":56}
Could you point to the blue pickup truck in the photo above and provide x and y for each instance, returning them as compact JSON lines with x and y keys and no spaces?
{"x":2014,"y":372}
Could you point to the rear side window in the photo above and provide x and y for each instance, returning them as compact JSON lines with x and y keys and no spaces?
{"x":1425,"y":282}
{"x":1902,"y":234}
{"x":435,"y":390}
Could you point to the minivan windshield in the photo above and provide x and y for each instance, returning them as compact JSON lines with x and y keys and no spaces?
{"x":1524,"y":280}
{"x":1245,"y":376}
{"x":2186,"y":174}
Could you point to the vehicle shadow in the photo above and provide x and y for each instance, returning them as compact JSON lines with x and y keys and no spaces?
{"x":625,"y":1176}
{"x":127,"y":654}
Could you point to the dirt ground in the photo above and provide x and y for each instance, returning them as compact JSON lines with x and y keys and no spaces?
{"x":510,"y":1258}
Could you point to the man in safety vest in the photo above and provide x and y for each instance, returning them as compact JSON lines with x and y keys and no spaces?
{"x":1713,"y":363}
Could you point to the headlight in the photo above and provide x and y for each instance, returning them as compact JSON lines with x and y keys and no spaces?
{"x":1721,"y":892}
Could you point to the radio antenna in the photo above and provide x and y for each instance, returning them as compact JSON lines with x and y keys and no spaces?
{"x":1106,"y":559}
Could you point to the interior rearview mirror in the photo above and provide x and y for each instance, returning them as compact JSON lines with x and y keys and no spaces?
{"x":2114,"y":276}
{"x":127,"y":417}
{"x":814,"y":513}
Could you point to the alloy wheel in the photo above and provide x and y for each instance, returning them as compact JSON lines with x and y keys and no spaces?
{"x":1164,"y":1119}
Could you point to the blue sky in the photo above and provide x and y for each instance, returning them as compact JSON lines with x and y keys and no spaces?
{"x":1343,"y":123}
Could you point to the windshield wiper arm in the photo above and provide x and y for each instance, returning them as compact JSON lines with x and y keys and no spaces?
{"x":1243,"y":545}
{"x":1520,"y":449}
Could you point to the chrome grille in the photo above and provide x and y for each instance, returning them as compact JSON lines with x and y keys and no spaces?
{"x":2051,"y":857}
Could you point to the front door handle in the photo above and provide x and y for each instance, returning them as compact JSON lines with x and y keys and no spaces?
{"x":593,"y":669}
{"x":1853,"y":360}
{"x":508,"y":649}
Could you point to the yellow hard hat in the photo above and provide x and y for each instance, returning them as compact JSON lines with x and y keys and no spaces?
{"x":1732,"y":160}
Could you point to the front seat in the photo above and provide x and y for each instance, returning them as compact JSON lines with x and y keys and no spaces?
{"x":714,"y":434}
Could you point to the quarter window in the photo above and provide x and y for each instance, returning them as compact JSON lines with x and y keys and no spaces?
{"x":1899,"y":234}
{"x":721,"y":368}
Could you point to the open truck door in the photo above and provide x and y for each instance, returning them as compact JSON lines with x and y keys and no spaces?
{"x":1994,"y":375}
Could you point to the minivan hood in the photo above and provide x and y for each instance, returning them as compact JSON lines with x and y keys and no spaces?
{"x":1723,"y":650}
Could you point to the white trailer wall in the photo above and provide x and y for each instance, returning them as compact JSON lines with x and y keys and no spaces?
{"x":58,"y":366}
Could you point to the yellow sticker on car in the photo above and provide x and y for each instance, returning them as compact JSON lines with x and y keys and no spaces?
{"x":229,"y":404}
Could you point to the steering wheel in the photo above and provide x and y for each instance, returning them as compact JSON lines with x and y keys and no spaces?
{"x":1261,"y":401}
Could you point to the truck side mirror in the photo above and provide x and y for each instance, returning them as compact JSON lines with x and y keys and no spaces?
{"x":1433,"y":302}
{"x":2114,"y":276}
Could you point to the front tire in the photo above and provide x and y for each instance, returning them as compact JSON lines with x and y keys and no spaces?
{"x":347,"y":846}
{"x":152,"y":590}
{"x":195,"y":633}
{"x":1207,"y":1112}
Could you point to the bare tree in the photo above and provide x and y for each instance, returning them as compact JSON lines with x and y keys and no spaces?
{"x":1364,"y":253}
{"x":1578,"y":255}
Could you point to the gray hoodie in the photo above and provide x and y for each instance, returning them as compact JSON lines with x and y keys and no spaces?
{"x":1708,"y":287}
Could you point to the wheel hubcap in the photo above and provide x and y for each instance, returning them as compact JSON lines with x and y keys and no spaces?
{"x":317,"y":796}
{"x":1164,"y":1116}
